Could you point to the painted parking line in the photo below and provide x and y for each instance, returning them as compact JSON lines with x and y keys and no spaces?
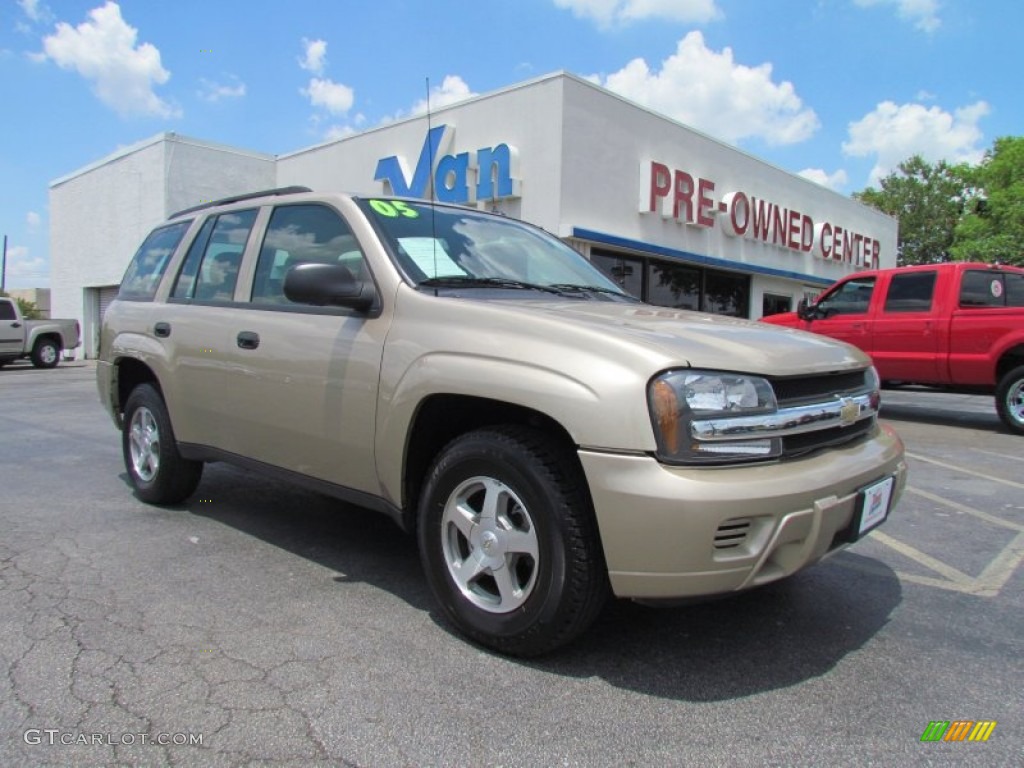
{"x":997,"y":454}
{"x":955,"y":468}
{"x":988,"y":583}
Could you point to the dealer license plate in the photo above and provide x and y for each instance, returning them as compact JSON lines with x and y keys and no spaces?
{"x":874,"y":506}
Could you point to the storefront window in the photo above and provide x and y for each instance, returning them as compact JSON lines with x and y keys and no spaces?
{"x":726,"y":293}
{"x":773,"y":304}
{"x":628,"y":273}
{"x":674,"y":285}
{"x":677,"y":284}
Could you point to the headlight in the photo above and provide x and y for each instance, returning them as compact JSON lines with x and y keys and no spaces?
{"x":679,"y":398}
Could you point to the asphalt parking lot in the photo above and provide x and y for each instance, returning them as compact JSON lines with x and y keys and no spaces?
{"x":278,"y":627}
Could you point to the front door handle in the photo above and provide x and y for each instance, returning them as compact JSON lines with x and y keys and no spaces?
{"x":163,"y":330}
{"x":248,"y":340}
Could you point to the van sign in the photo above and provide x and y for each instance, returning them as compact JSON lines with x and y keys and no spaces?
{"x":490,"y":173}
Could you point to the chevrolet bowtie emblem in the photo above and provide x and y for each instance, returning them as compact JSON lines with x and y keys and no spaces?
{"x":849,"y":410}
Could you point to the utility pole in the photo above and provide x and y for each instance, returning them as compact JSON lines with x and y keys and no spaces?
{"x":3,"y":268}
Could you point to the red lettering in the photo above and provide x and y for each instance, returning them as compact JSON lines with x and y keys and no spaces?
{"x":858,"y":252}
{"x":683,"y":194}
{"x":793,"y":230}
{"x":704,"y":203}
{"x":661,"y":181}
{"x":875,"y":248}
{"x":837,"y":243}
{"x":826,"y":241}
{"x":739,"y":205}
{"x":762,"y":219}
{"x":847,"y":247}
{"x":778,"y":224}
{"x":807,"y":234}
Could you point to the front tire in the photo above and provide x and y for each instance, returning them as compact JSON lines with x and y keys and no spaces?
{"x":158,"y":472}
{"x":46,"y":354}
{"x":509,"y":542}
{"x":1010,"y":399}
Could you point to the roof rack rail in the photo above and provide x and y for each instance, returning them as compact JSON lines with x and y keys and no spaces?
{"x":238,"y":198}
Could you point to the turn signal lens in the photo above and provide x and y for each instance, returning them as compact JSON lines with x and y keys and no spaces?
{"x":665,"y":406}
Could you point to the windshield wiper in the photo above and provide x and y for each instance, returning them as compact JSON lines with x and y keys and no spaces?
{"x":468,"y":281}
{"x":592,"y":289}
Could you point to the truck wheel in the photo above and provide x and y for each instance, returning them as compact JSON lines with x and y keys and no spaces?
{"x":509,"y":542}
{"x":157,"y":471}
{"x":45,"y":354}
{"x":1010,"y":399}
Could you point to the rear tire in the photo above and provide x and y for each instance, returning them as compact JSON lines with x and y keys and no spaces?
{"x":1010,"y":399}
{"x":509,"y":543}
{"x":46,"y":354}
{"x":158,"y":472}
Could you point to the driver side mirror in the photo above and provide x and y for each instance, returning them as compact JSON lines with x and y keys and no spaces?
{"x":327,"y":285}
{"x":806,"y":311}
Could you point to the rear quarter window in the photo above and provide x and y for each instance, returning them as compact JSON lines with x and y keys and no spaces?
{"x":150,"y":262}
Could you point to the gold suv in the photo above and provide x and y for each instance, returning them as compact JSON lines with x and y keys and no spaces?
{"x":549,"y":438}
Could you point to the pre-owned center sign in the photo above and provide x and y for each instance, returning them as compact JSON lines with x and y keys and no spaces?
{"x":686,"y":198}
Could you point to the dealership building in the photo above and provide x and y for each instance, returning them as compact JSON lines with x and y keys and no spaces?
{"x":672,"y":215}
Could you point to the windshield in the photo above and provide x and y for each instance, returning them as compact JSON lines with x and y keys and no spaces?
{"x":444,"y":246}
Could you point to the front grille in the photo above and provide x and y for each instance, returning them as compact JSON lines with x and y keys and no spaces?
{"x":732,"y":533}
{"x":798,"y":445}
{"x":799,"y":390}
{"x":804,"y":390}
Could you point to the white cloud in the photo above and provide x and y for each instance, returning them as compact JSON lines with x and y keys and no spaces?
{"x":314,"y":57}
{"x":452,"y":90}
{"x":834,"y":181}
{"x":104,"y":51}
{"x":33,"y":220}
{"x":713,"y":93}
{"x":213,"y":92}
{"x":923,"y":13}
{"x":35,"y":10}
{"x":606,"y":12}
{"x":334,"y":97}
{"x":24,"y":269}
{"x":894,"y":133}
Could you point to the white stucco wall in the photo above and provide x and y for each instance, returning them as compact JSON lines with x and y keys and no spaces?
{"x":526,"y":117}
{"x":100,"y":214}
{"x":609,"y":144}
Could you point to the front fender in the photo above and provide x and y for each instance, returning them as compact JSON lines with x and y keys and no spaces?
{"x":588,"y":415}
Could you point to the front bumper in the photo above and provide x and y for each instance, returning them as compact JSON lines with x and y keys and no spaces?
{"x":673,"y":532}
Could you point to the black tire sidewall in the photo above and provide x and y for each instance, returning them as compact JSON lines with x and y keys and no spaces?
{"x":175,"y":478}
{"x":37,"y":356}
{"x":1012,"y":377}
{"x":485,"y":454}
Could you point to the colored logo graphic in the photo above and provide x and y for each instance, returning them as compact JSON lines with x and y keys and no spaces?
{"x":958,"y":730}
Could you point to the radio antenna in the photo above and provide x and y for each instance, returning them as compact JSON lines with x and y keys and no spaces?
{"x":430,"y":186}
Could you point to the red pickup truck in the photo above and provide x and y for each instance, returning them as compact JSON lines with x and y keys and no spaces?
{"x":957,"y":326}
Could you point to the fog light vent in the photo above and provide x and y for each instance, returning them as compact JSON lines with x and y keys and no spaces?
{"x":732,"y":533}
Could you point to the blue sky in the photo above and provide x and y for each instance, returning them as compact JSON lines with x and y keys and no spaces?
{"x":837,"y":90}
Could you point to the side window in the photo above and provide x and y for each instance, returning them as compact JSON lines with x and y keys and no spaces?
{"x":1014,"y":289}
{"x":851,"y":298}
{"x":301,"y":234}
{"x":981,"y":288}
{"x":150,"y":261}
{"x":210,"y":269}
{"x":910,"y":292}
{"x":7,"y":310}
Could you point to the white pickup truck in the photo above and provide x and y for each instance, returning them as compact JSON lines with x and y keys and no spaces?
{"x":41,"y":340}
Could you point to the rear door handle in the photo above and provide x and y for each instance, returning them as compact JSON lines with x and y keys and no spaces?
{"x":248,"y":340}
{"x":163,"y":330}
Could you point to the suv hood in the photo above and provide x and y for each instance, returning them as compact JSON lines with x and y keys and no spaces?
{"x":683,"y":337}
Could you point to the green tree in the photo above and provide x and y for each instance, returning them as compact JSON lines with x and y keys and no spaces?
{"x":993,"y":227}
{"x":28,"y":309}
{"x":929,"y":201}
